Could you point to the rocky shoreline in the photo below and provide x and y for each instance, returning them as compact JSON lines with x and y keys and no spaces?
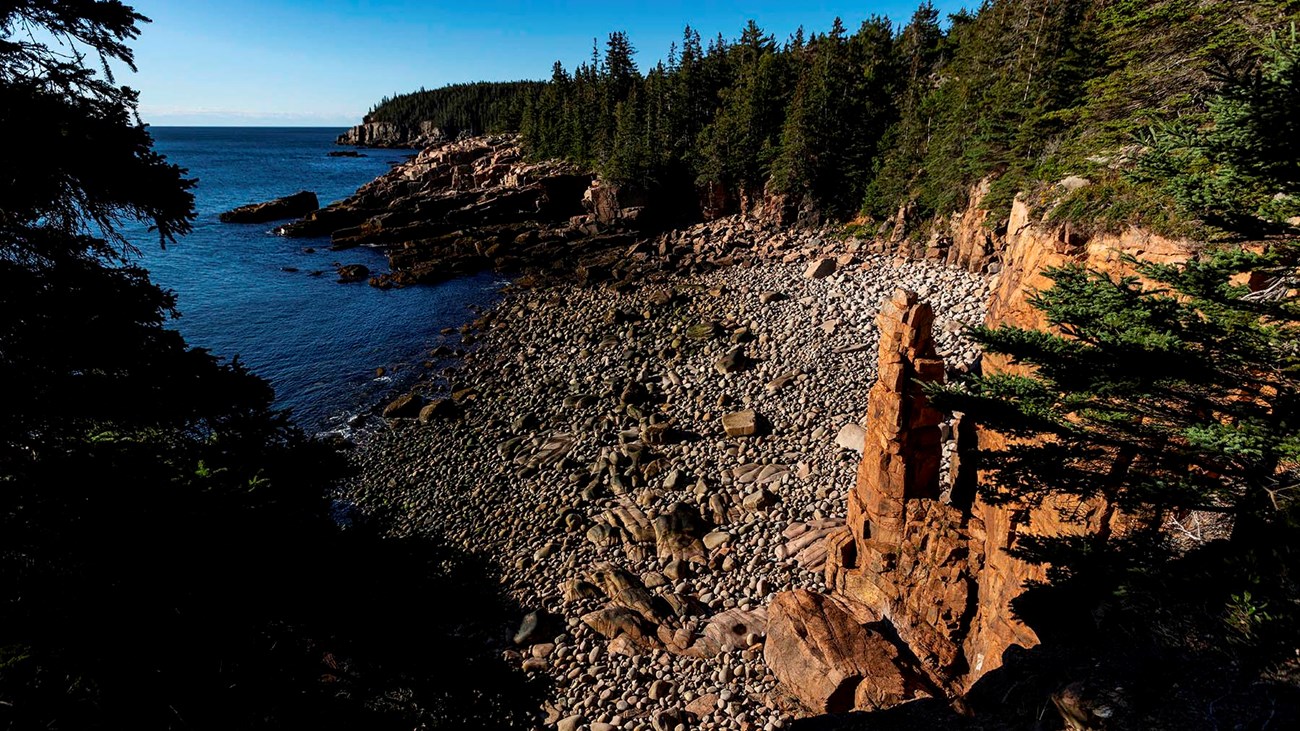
{"x":388,"y":134}
{"x":581,"y":448}
{"x":670,"y":445}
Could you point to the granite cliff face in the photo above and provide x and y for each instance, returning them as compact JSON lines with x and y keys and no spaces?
{"x":1028,"y":248}
{"x":388,"y":134}
{"x":920,"y":551}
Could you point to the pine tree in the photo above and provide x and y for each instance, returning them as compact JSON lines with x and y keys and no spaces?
{"x":742,"y":139}
{"x":829,"y":135}
{"x":1240,"y":169}
{"x":1170,"y":395}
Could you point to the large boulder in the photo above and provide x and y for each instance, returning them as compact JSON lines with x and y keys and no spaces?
{"x":733,"y":361}
{"x":437,"y":409}
{"x":821,"y":268}
{"x":851,"y":436}
{"x":829,"y":661}
{"x":291,"y":206}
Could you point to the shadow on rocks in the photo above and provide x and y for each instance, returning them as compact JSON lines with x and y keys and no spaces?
{"x":1132,"y":640}
{"x":418,"y":631}
{"x":166,"y":608}
{"x":922,"y":714}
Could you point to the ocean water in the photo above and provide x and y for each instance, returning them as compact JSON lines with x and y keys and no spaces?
{"x":318,"y":342}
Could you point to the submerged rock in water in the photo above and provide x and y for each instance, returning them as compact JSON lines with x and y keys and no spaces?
{"x":353,"y":273}
{"x":290,"y":206}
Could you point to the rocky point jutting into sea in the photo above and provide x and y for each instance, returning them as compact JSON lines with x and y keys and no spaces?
{"x":703,"y":457}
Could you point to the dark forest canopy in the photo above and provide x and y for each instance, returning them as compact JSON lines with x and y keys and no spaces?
{"x":488,"y":106}
{"x":882,"y":117}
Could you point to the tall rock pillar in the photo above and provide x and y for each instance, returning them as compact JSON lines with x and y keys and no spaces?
{"x":906,"y":555}
{"x":903,"y":448}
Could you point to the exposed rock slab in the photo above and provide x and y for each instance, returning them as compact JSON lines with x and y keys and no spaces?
{"x":290,"y":206}
{"x":829,"y":661}
{"x":678,"y":533}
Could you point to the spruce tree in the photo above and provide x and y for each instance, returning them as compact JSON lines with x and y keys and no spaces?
{"x":1236,"y":168}
{"x":829,"y":133}
{"x":1168,"y":391}
{"x":918,"y":55}
{"x":743,"y":137}
{"x":1159,"y":420}
{"x":164,"y":531}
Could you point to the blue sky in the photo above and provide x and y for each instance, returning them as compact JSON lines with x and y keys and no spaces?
{"x":325,"y":62}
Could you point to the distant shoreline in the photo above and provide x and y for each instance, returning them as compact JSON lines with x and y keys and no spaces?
{"x":318,"y":343}
{"x":151,"y":125}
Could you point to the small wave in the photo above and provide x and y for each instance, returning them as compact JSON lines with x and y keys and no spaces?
{"x":354,"y":426}
{"x":338,"y":425}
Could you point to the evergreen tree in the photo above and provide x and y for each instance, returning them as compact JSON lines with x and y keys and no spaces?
{"x":475,"y":108}
{"x":1162,"y":400}
{"x":835,"y":117}
{"x":620,"y":66}
{"x":1174,"y":395}
{"x":1239,"y":170}
{"x":743,"y":137}
{"x":164,"y":533}
{"x":629,"y":162}
{"x":1020,"y":93}
{"x":919,"y":55}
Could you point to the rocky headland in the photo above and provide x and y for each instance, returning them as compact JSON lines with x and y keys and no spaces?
{"x":388,"y":134}
{"x":465,"y":206}
{"x":701,"y":458}
{"x":279,"y":209}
